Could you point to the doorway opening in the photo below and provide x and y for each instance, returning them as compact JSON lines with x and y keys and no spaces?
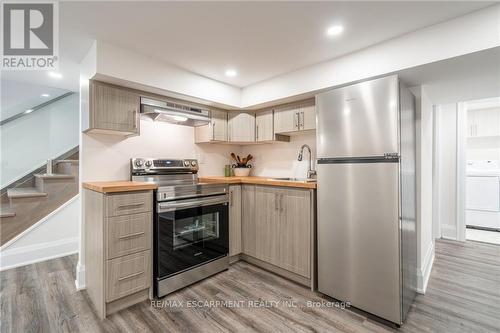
{"x":482,"y":171}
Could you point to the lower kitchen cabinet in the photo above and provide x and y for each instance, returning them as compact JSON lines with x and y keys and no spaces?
{"x":266,"y":221}
{"x":295,"y":231}
{"x":276,"y":227}
{"x":234,"y":220}
{"x":248,"y":226}
{"x":118,"y":229}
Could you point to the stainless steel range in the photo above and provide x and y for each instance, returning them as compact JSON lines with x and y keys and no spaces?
{"x":191,"y":223}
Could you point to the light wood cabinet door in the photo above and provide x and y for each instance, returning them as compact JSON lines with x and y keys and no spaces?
{"x":267,"y":217}
{"x":307,"y":117}
{"x":241,"y":126}
{"x":214,"y":131}
{"x":235,"y":220}
{"x":286,"y":119}
{"x":486,"y":121}
{"x":127,"y":275}
{"x":113,"y":109}
{"x":295,"y":231}
{"x":264,"y":126}
{"x":218,"y":125}
{"x":248,"y":225}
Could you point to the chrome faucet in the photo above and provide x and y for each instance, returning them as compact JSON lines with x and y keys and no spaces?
{"x":311,"y":173}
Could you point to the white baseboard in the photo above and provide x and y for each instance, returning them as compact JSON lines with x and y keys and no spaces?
{"x":449,"y":231}
{"x":424,"y":272}
{"x":21,"y":256}
{"x":80,"y":276}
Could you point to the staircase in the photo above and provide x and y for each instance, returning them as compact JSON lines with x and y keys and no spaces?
{"x":36,"y":196}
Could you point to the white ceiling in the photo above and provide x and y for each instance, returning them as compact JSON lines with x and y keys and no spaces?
{"x":259,"y":39}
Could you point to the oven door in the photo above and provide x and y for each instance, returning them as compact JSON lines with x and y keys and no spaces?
{"x":189,"y":233}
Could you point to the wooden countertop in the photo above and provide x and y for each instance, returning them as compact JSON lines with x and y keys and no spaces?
{"x":118,"y":186}
{"x":257,"y":181}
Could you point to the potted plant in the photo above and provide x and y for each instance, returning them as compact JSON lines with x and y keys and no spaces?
{"x":241,"y":167}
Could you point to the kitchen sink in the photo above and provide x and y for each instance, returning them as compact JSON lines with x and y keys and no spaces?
{"x":304,"y":180}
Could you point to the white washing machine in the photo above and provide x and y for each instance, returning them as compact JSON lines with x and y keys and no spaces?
{"x":483,"y":195}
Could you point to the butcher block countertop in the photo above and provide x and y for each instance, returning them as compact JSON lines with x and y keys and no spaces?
{"x":118,"y":186}
{"x":258,"y":181}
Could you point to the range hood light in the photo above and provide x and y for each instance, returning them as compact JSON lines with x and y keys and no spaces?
{"x":179,"y":118}
{"x":174,"y":112}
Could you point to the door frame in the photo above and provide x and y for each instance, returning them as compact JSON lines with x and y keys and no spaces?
{"x":462,"y":111}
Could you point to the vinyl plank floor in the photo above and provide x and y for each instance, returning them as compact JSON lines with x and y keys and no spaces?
{"x":463,"y":295}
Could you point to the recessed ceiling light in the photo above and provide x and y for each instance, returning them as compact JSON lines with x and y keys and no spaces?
{"x":45,"y":95}
{"x":231,"y":73}
{"x":334,"y":30}
{"x":28,"y":111}
{"x":55,"y":75}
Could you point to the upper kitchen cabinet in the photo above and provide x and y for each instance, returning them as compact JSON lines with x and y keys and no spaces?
{"x":112,"y":110}
{"x":264,"y":130}
{"x":295,"y":118}
{"x":241,"y":126}
{"x":286,"y":119}
{"x":483,"y":122}
{"x":307,"y":119}
{"x":215,"y":131}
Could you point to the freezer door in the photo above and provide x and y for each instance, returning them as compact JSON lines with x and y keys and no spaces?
{"x":358,"y":236}
{"x":358,"y":120}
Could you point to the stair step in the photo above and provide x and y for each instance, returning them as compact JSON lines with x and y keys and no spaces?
{"x":54,"y":175}
{"x":6,"y":211}
{"x":68,"y":161}
{"x":25,"y":192}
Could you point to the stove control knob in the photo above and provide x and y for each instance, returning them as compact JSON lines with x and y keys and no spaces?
{"x":148,"y":164}
{"x":186,"y":163}
{"x":193,"y":163}
{"x":138,"y":163}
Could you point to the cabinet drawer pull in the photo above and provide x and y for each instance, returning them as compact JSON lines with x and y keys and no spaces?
{"x":281,"y":203}
{"x":130,"y":276}
{"x":131,"y":235}
{"x":131,"y":205}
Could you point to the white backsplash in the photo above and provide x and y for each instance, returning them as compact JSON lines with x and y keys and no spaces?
{"x":107,"y":157}
{"x":280,"y":159}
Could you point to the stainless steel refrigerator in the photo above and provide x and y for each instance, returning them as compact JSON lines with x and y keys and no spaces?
{"x":367,"y":244}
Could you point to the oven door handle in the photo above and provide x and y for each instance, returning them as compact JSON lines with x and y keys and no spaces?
{"x":184,"y":204}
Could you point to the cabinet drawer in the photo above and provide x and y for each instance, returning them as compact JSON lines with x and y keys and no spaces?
{"x":128,"y":234}
{"x":129,"y":203}
{"x":127,"y":275}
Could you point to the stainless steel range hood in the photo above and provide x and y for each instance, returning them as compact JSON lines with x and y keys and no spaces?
{"x":174,"y":112}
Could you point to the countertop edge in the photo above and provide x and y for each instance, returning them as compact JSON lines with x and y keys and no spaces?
{"x":256,"y":181}
{"x":118,"y":186}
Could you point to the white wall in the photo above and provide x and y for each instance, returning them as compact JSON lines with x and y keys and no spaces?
{"x":484,"y":148}
{"x":27,"y":142}
{"x":107,"y":157}
{"x":447,"y":169}
{"x":142,"y":71}
{"x":425,"y":241}
{"x":54,"y":236}
{"x":280,"y":159}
